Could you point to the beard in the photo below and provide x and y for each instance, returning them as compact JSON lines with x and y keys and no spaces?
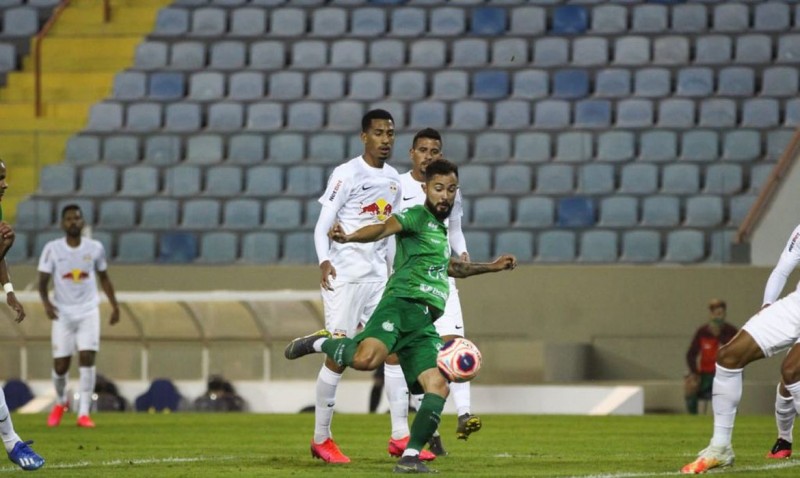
{"x":439,"y":214}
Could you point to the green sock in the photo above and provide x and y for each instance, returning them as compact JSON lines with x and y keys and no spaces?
{"x":341,"y":350}
{"x":691,"y":405}
{"x":427,"y":420}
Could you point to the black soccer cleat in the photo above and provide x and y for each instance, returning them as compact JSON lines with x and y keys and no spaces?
{"x":411,"y":464}
{"x":467,"y":424}
{"x":436,"y":447}
{"x":781,"y":449}
{"x":304,"y":345}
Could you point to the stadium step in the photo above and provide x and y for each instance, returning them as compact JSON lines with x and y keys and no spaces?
{"x":85,"y":54}
{"x":57,"y":86}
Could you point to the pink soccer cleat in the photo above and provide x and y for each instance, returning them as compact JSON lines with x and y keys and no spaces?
{"x":328,"y":452}
{"x":398,"y":446}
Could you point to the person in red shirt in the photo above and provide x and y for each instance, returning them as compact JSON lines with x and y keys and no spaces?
{"x":702,"y":354}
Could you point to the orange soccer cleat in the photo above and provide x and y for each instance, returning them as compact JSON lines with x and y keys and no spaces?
{"x":328,"y":452}
{"x":398,"y":446}
{"x":54,"y":419}
{"x":84,"y":421}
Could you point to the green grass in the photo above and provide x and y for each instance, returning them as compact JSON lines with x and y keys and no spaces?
{"x":191,"y":445}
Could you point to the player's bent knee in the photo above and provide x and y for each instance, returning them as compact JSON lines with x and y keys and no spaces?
{"x":790,"y":372}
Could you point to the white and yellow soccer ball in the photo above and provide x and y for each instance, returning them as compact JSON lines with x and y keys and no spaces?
{"x":459,"y":360}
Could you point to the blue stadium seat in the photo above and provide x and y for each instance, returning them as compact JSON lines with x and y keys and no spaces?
{"x":661,"y":211}
{"x":298,"y":248}
{"x":218,"y":248}
{"x":592,"y":114}
{"x":739,"y":207}
{"x":286,"y":148}
{"x":447,"y":21}
{"x":428,"y":114}
{"x":574,"y":147}
{"x":367,"y":85}
{"x":596,"y":178}
{"x":209,"y":22}
{"x":772,"y":16}
{"x":760,"y":113}
{"x":723,"y":179}
{"x":326,"y":85}
{"x":20,"y":22}
{"x":649,"y":18}
{"x":618,"y":211}
{"x":551,"y":114}
{"x":387,"y":53}
{"x":490,"y":84}
{"x":141,"y":117}
{"x":480,"y":248}
{"x":242,"y":214}
{"x":408,"y":22}
{"x":407,"y":85}
{"x":635,"y":112}
{"x":327,"y":148}
{"x":328,"y":22}
{"x":469,"y":115}
{"x":492,"y":147}
{"x":136,"y":247}
{"x":753,"y":49}
{"x":177,"y":247}
{"x":570,"y":19}
{"x":182,"y":117}
{"x":685,"y":246}
{"x":639,"y":179}
{"x":349,"y":53}
{"x":680,"y":179}
{"x":449,"y":85}
{"x":260,"y":248}
{"x":117,"y":214}
{"x":615,"y":146}
{"x":519,"y":243}
{"x":266,"y":116}
{"x":554,"y":179}
{"x":576,"y":211}
{"x":182,"y":181}
{"x":21,"y":250}
{"x":788,"y":48}
{"x":201,"y":214}
{"x":159,"y":214}
{"x":777,"y":141}
{"x":731,"y":17}
{"x":570,"y":84}
{"x":640,"y":246}
{"x":225,"y":117}
{"x":779,"y":81}
{"x":305,"y":116}
{"x":632,"y":50}
{"x":8,"y":57}
{"x":695,"y":82}
{"x":718,"y":112}
{"x":344,"y":115}
{"x":309,"y":54}
{"x":105,"y":117}
{"x":246,"y":85}
{"x":689,"y":18}
{"x":741,"y":145}
{"x":713,"y":49}
{"x":34,"y":214}
{"x":475,"y":178}
{"x":166,"y":85}
{"x":556,"y":246}
{"x":599,"y":246}
{"x":188,"y":55}
{"x":489,"y":21}
{"x":304,"y":180}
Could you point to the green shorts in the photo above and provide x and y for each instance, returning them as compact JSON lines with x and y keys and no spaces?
{"x":406,"y":328}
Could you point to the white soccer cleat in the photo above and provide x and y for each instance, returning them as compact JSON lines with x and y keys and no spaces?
{"x":711,"y":457}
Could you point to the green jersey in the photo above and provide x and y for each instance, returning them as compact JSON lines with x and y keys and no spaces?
{"x":422,"y":259}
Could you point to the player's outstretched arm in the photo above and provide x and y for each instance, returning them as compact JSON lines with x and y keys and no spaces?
{"x":371,"y":233}
{"x":460,"y":269}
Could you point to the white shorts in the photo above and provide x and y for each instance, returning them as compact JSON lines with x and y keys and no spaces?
{"x":451,"y":322}
{"x":349,"y":305}
{"x":777,"y":327}
{"x":71,"y":332}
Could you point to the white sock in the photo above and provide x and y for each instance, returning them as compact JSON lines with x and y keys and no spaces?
{"x":784,"y":415}
{"x":416,"y":401}
{"x":726,"y":395}
{"x":317,"y":345}
{"x":87,"y":379}
{"x":410,"y":452}
{"x":794,"y":389}
{"x":10,"y":437}
{"x":397,"y":395}
{"x":60,"y":383}
{"x":461,"y":397}
{"x":327,"y":382}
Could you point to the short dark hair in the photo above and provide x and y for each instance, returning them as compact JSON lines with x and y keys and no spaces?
{"x":378,"y":114}
{"x":428,"y":133}
{"x":70,"y":207}
{"x":440,"y":167}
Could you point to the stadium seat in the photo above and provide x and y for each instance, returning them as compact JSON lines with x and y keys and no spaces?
{"x":8,"y":57}
{"x":532,"y":147}
{"x":556,"y":246}
{"x":209,"y":22}
{"x":408,"y":22}
{"x":172,"y":22}
{"x":551,"y":114}
{"x":640,"y":246}
{"x":689,"y":18}
{"x":285,"y":148}
{"x":576,"y":211}
{"x":206,"y":85}
{"x":298,"y":248}
{"x":530,"y":84}
{"x":260,"y":248}
{"x":242,"y":214}
{"x":223,"y":181}
{"x":492,"y":147}
{"x":490,"y":21}
{"x":612,"y":83}
{"x":760,"y":113}
{"x":348,"y":53}
{"x":57,"y":180}
{"x":177,"y":247}
{"x":736,"y":81}
{"x":685,"y":246}
{"x":652,"y":82}
{"x":739,"y":207}
{"x":609,"y":19}
{"x":631,"y":50}
{"x":218,"y":248}
{"x":519,"y":243}
{"x":704,"y":211}
{"x":597,"y":246}
{"x":228,"y":55}
{"x":136,"y":247}
{"x":82,"y":149}
{"x":661,"y":211}
{"x":141,"y":117}
{"x":551,"y":51}
{"x":368,"y":21}
{"x":282,"y":213}
{"x":574,"y":147}
{"x":509,"y":52}
{"x":182,"y":181}
{"x":309,"y":54}
{"x":723,"y":179}
{"x":267,"y":55}
{"x":512,"y":179}
{"x":528,"y":21}
{"x":596,"y":179}
{"x":469,"y":52}
{"x":428,"y":114}
{"x":248,"y":22}
{"x":717,"y":112}
{"x":263,"y":181}
{"x":554,"y":179}
{"x":21,"y":250}
{"x":447,"y":21}
{"x":225,"y":117}
{"x":639,"y":179}
{"x":327,"y":148}
{"x":129,"y":85}
{"x":246,"y":85}
{"x":159,"y":214}
{"x":34,"y":214}
{"x":326,"y":85}
{"x":100,"y":180}
{"x":287,"y":22}
{"x":266,"y":116}
{"x":635,"y":113}
{"x":490,"y":84}
{"x":121,"y":150}
{"x":139,"y":181}
{"x":569,"y":19}
{"x":150,"y":55}
{"x":20,"y":22}
{"x":618,"y":211}
{"x":328,"y":22}
{"x":741,"y":145}
{"x":535,"y":212}
{"x":649,"y":18}
{"x":166,"y":86}
{"x":792,"y":113}
{"x":305,"y":116}
{"x":713,"y":49}
{"x":777,"y":141}
{"x":387,"y":53}
{"x":695,"y":82}
{"x":407,"y":85}
{"x":753,"y":49}
{"x":163,"y":150}
{"x":367,"y":85}
{"x":188,"y":55}
{"x":105,"y":117}
{"x":780,"y":81}
{"x":671,"y":50}
{"x":699,"y":145}
{"x":449,"y":85}
{"x":117,"y":214}
{"x":491,"y":212}
{"x":570,"y":84}
{"x":731,"y":17}
{"x":772,"y":16}
{"x":304,"y":180}
{"x":427,"y":53}
{"x":512,"y":114}
{"x":592,"y":114}
{"x":344,"y":115}
{"x":181,"y":117}
{"x":788,"y":48}
{"x":759,"y":176}
{"x":469,"y":115}
{"x":590,"y":51}
{"x":658,"y":146}
{"x":615,"y":146}
{"x":201,"y":214}
{"x":204,"y":149}
{"x":475,"y":178}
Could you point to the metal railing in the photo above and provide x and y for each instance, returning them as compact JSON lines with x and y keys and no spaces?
{"x":37,"y":55}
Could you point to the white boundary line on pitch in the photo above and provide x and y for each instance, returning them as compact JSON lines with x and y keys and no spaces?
{"x":128,"y":462}
{"x":727,"y":469}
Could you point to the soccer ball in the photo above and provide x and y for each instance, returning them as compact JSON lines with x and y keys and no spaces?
{"x":459,"y":360}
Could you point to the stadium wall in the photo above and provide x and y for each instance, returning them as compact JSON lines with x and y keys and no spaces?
{"x":539,"y":324}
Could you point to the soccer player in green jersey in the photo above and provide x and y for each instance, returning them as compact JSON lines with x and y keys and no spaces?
{"x":414,"y":298}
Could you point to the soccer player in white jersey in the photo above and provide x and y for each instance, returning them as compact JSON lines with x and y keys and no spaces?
{"x":19,"y":452}
{"x":74,"y":262}
{"x":363,"y":191}
{"x":773,"y":329}
{"x":426,"y":147}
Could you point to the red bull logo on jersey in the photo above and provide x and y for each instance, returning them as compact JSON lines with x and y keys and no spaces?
{"x":76,"y":275}
{"x":380,"y":209}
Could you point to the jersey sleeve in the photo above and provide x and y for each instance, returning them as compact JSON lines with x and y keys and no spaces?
{"x":790,"y":257}
{"x":100,"y":263}
{"x":46,"y":261}
{"x":337,"y":190}
{"x":410,"y":219}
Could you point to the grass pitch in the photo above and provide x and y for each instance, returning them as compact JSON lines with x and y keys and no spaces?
{"x":194,"y":445}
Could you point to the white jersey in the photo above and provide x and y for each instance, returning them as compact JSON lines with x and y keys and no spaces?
{"x":790,"y":258}
{"x":413,"y":195}
{"x":73,"y":270}
{"x":361,"y":195}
